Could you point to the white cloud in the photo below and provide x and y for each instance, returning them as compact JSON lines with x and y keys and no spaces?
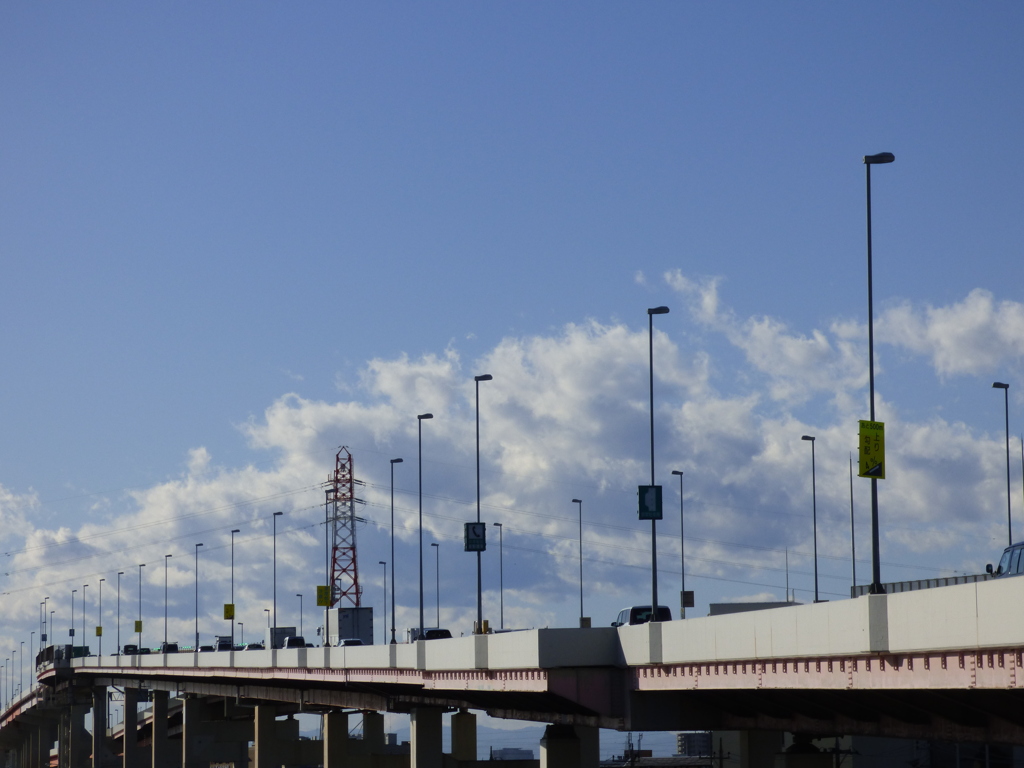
{"x":565,"y":416}
{"x":973,"y":336}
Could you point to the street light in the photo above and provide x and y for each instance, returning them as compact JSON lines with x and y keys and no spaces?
{"x":654,"y":523}
{"x":385,"y":564}
{"x":1006,"y":400}
{"x":437,"y":575}
{"x":233,"y":532}
{"x":300,"y":612}
{"x":501,"y":576}
{"x":682,"y":547}
{"x":419,"y":454}
{"x":814,"y":513}
{"x":274,"y":517}
{"x":876,"y":566}
{"x":479,"y":588}
{"x":99,"y":620}
{"x":85,"y":637}
{"x":197,"y":596}
{"x":119,"y":575}
{"x":393,"y":462}
{"x":165,"y":597}
{"x":141,"y":566}
{"x":579,"y":507}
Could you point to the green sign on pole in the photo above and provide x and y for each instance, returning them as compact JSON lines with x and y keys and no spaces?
{"x":650,"y":502}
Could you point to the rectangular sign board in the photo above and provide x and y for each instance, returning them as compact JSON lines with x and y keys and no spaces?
{"x":872,"y":450}
{"x":476,"y":537}
{"x":323,"y":596}
{"x":229,"y":611}
{"x":650,"y":502}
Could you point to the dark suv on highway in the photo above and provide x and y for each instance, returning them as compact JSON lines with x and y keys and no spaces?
{"x":1011,"y":563}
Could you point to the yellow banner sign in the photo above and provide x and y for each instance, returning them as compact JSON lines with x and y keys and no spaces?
{"x":138,"y":626}
{"x":872,"y":449}
{"x":229,"y":611}
{"x":99,"y":631}
{"x":323,"y":596}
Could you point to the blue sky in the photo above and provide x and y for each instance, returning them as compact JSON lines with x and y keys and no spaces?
{"x":235,"y":237}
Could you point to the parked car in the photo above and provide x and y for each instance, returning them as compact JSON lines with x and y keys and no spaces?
{"x":130,"y":650}
{"x":168,"y":647}
{"x":641,"y":614}
{"x":1011,"y":563}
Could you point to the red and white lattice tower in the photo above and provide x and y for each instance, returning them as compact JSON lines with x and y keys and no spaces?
{"x":341,"y":531}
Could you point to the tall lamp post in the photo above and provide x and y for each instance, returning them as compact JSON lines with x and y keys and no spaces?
{"x":393,"y":462}
{"x":682,"y":548}
{"x":501,"y":576}
{"x":814,"y":514}
{"x":654,"y":523}
{"x":385,"y":564}
{"x":876,"y":566}
{"x":579,"y":508}
{"x":85,"y":638}
{"x":166,"y":558}
{"x":231,"y":620}
{"x":99,"y":620}
{"x":197,"y":596}
{"x":419,"y":453}
{"x":141,"y":566}
{"x":479,"y":587}
{"x":437,"y":576}
{"x":1006,"y":400}
{"x":119,"y":575}
{"x":275,"y":516}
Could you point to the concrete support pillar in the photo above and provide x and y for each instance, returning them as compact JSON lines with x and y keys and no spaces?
{"x":464,"y":735}
{"x":102,"y":757}
{"x":425,"y":737}
{"x":590,"y":745}
{"x":130,"y":747}
{"x":336,"y":741}
{"x":560,"y":748}
{"x":161,"y":750}
{"x":265,"y":739}
{"x":373,"y":733}
{"x":73,"y":739}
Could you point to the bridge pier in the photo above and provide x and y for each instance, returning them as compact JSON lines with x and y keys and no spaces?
{"x":73,"y":739}
{"x":567,"y":746}
{"x":160,"y":748}
{"x":205,"y":741}
{"x":336,"y":742}
{"x":464,"y":735}
{"x":425,"y":738}
{"x":102,"y":757}
{"x":130,"y":731}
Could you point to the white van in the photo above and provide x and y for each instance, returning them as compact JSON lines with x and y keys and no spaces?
{"x":641,"y":614}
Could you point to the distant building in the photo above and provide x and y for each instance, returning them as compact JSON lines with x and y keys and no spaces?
{"x":511,"y":753}
{"x":693,"y":743}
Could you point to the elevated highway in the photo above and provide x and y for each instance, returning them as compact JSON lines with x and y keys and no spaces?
{"x":942,"y":663}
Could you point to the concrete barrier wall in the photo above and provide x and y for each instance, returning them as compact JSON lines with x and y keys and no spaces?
{"x":960,"y":617}
{"x":981,"y":615}
{"x":822,"y":629}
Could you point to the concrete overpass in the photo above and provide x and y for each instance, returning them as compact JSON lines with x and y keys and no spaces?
{"x":940,"y":663}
